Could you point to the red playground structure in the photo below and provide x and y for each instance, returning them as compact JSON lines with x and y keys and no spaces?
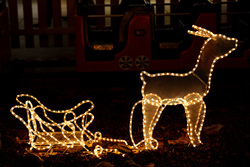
{"x":138,"y":45}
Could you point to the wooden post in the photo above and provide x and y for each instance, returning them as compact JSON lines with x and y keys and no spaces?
{"x":230,"y":8}
{"x":173,"y":7}
{"x":4,"y":41}
{"x":15,"y":40}
{"x":57,"y":21}
{"x":114,"y":10}
{"x":42,"y":21}
{"x":28,"y":22}
{"x":100,"y":11}
{"x":71,"y":20}
{"x":159,"y":10}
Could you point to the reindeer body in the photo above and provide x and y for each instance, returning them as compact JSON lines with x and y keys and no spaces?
{"x":188,"y":89}
{"x":180,"y":86}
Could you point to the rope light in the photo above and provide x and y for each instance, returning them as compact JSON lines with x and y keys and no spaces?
{"x":69,"y":133}
{"x":188,"y":89}
{"x":158,"y":91}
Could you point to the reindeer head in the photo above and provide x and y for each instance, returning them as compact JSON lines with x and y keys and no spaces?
{"x":222,"y":44}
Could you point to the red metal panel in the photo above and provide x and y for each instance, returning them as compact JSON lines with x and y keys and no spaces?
{"x":137,"y":45}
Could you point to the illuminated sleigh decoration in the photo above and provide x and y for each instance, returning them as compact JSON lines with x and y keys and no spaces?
{"x":188,"y":89}
{"x":47,"y":134}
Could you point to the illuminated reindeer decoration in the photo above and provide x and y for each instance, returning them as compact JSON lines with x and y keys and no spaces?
{"x":187,"y":89}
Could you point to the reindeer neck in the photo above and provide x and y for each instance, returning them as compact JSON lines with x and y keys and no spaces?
{"x":205,"y":63}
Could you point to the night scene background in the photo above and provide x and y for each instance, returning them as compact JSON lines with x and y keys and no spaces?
{"x":66,"y":51}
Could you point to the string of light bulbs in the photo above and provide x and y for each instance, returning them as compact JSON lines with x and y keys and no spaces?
{"x":43,"y":134}
{"x":193,"y":103}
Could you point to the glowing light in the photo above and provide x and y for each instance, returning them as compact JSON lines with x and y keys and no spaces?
{"x":46,"y":133}
{"x":188,"y":89}
{"x":158,"y":91}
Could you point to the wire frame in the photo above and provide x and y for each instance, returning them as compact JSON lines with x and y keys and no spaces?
{"x":45,"y":133}
{"x":188,"y":89}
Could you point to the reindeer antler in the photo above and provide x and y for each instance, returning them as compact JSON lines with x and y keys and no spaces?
{"x":201,"y":32}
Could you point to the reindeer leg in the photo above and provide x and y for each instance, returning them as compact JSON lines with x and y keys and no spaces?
{"x":151,"y":115}
{"x":201,"y":118}
{"x":195,"y":110}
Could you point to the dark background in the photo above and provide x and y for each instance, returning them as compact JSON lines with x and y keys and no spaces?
{"x":114,"y":94}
